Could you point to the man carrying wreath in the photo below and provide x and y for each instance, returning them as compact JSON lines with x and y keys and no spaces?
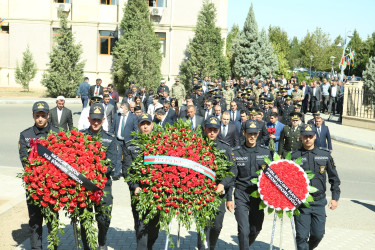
{"x":96,"y":119}
{"x":146,"y":233}
{"x":310,"y":225}
{"x":249,"y":159}
{"x":211,"y":131}
{"x":40,"y":129}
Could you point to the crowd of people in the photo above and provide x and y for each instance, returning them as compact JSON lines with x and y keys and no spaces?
{"x":236,"y":115}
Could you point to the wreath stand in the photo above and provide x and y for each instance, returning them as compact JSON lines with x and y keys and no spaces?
{"x":281,"y":231}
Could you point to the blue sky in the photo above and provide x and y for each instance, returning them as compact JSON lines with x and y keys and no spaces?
{"x":296,"y":17}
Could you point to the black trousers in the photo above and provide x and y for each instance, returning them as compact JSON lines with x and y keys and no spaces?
{"x":249,"y":218}
{"x":310,"y":225}
{"x":103,"y":220}
{"x":146,"y":234}
{"x":212,"y":232}
{"x":314,"y":104}
{"x":333,"y":105}
{"x":36,"y":226}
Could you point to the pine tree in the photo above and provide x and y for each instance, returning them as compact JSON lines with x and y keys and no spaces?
{"x":26,"y":73}
{"x":252,"y":52}
{"x":65,"y":70}
{"x":137,"y":54}
{"x":369,"y":81}
{"x":230,"y":39}
{"x":205,"y":50}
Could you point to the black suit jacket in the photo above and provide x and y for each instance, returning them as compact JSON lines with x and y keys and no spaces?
{"x":232,"y":137}
{"x":323,"y":140}
{"x":66,"y":121}
{"x":130,"y":126}
{"x":92,"y":90}
{"x":172,"y":115}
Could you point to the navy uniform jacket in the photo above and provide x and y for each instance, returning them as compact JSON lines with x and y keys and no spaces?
{"x":286,"y":110}
{"x":108,"y":141}
{"x":129,"y":153}
{"x":320,"y":163}
{"x":224,"y":148}
{"x":248,"y":161}
{"x":32,"y":133}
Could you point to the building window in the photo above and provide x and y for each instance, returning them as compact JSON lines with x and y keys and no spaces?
{"x":157,"y":3}
{"x":107,"y":40}
{"x":162,"y":41}
{"x":63,"y":1}
{"x":109,"y":2}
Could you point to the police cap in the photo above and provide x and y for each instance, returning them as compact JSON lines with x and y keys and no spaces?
{"x":40,"y":106}
{"x":96,"y":111}
{"x":251,"y":127}
{"x":144,"y":117}
{"x":212,"y":122}
{"x":308,"y":129}
{"x":295,"y":116}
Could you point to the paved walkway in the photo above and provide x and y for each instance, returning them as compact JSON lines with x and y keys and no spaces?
{"x":340,"y":234}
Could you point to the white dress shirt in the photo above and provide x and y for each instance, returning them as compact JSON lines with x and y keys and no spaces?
{"x":59,"y":113}
{"x":333,"y":91}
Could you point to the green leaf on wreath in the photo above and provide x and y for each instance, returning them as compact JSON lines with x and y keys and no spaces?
{"x":262,"y":205}
{"x":297,"y":212}
{"x":312,"y":189}
{"x":310,"y":176}
{"x":254,"y":181}
{"x":289,"y":214}
{"x":280,"y":214}
{"x":309,"y":198}
{"x":298,"y":161}
{"x":258,"y":171}
{"x":289,"y":156}
{"x":306,"y":204}
{"x":267,"y":160}
{"x":270,"y":210}
{"x":308,"y":171}
{"x":276,"y":157}
{"x":255,"y":194}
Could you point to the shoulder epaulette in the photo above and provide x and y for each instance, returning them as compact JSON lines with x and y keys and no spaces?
{"x":224,"y":142}
{"x":236,"y":148}
{"x":26,"y":129}
{"x":263,"y":146}
{"x":325,"y":149}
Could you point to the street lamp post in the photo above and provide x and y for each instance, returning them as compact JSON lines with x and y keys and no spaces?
{"x":311,"y":57}
{"x":348,"y":37}
{"x":332,"y":71}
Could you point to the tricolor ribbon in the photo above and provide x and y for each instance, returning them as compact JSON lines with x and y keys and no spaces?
{"x":182,"y":162}
{"x":34,"y":150}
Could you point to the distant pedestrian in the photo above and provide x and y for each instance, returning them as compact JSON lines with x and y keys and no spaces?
{"x":83,"y":91}
{"x":97,"y":89}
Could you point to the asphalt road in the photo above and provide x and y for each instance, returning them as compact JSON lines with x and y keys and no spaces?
{"x":355,"y":165}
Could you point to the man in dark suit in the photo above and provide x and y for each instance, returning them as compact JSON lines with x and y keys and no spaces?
{"x":235,"y":115}
{"x":112,"y":93}
{"x":334,"y":93}
{"x":323,"y":137}
{"x":306,"y":96}
{"x":161,"y":118}
{"x":129,"y":98}
{"x":196,"y":120}
{"x":183,"y":109}
{"x":109,"y":110}
{"x":60,"y":116}
{"x":315,"y":97}
{"x":229,"y":132}
{"x":169,"y":112}
{"x":274,"y":123}
{"x":144,"y":97}
{"x":97,"y":89}
{"x":208,"y":111}
{"x":123,"y":125}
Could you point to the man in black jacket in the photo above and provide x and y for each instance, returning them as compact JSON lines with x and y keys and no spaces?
{"x":41,"y":129}
{"x":60,"y":116}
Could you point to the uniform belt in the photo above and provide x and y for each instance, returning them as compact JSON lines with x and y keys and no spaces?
{"x":248,"y":190}
{"x":319,"y":197}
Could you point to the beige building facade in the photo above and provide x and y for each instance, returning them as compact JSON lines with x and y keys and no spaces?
{"x":95,"y":24}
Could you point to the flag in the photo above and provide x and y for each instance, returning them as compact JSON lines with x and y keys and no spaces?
{"x":342,"y":60}
{"x":343,"y":65}
{"x":1,"y":22}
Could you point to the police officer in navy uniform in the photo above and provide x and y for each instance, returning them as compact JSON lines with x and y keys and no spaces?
{"x":96,"y":119}
{"x":211,"y":131}
{"x":146,"y":233}
{"x":249,"y":158}
{"x":41,"y":129}
{"x":310,"y":225}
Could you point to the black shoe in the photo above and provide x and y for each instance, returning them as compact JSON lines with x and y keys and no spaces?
{"x":102,"y":248}
{"x":116,"y":177}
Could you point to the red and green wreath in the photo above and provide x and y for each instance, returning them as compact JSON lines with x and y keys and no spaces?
{"x":293,"y":176}
{"x":175,"y":191}
{"x":53,"y":190}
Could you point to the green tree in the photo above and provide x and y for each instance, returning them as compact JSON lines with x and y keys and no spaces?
{"x":294,"y":56}
{"x":65,"y":70}
{"x":230,"y":39}
{"x":137,"y":54}
{"x":26,"y":73}
{"x":252,"y":51}
{"x":318,"y":45}
{"x":205,"y":51}
{"x":280,"y":44}
{"x":369,"y":81}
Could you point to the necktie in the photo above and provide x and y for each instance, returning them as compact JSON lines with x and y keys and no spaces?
{"x":232,"y":118}
{"x":319,"y":131}
{"x":123,"y":126}
{"x":192,"y":124}
{"x":224,"y":131}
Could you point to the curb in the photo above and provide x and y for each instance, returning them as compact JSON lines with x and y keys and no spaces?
{"x":47,"y":100}
{"x":361,"y":144}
